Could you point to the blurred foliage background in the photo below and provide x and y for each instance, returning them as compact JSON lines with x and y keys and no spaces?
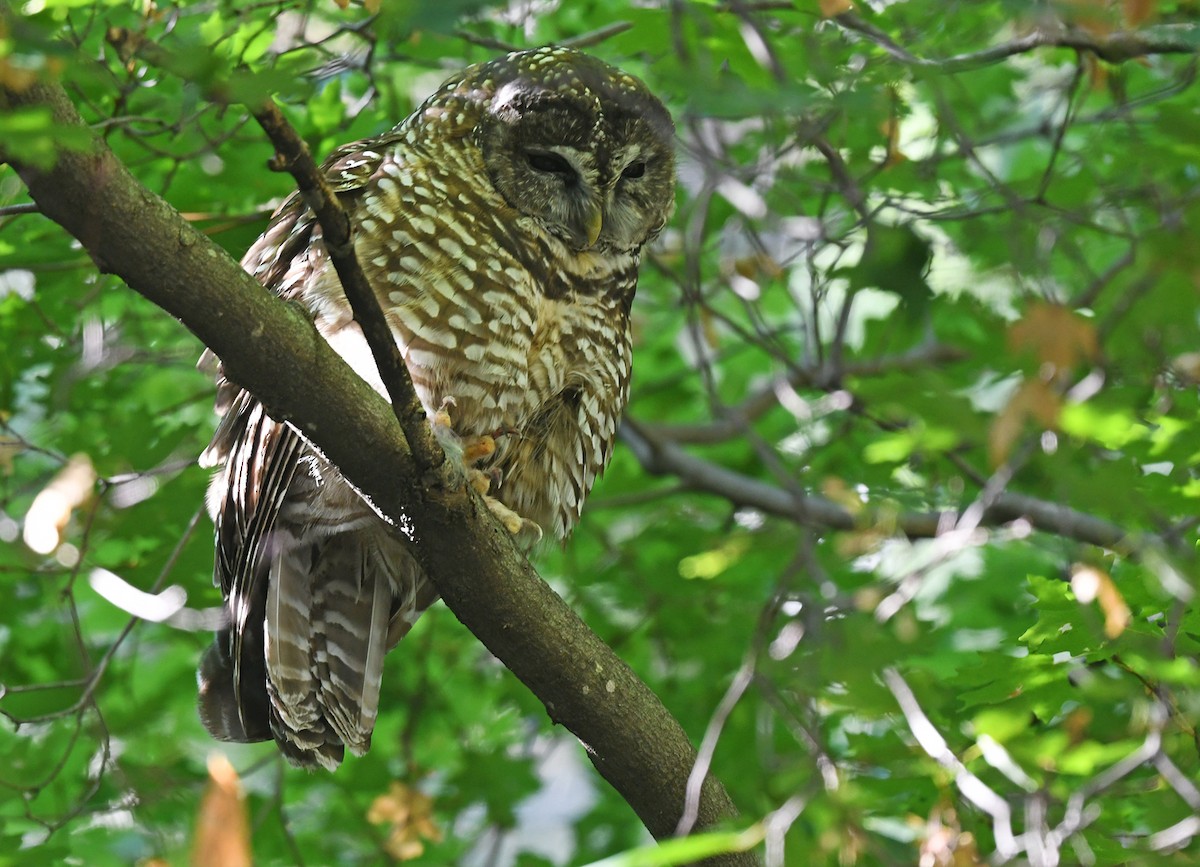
{"x":903,"y":527}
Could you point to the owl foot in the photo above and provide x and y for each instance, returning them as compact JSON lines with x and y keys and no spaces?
{"x":526,"y":532}
{"x":471,"y":450}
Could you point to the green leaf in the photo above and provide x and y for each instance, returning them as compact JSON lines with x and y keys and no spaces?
{"x":686,"y":850}
{"x":895,"y":259}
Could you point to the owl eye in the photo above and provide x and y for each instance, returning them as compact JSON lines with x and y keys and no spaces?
{"x":634,"y":170}
{"x":547,"y":161}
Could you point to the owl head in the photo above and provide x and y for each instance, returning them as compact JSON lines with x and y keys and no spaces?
{"x":581,"y":147}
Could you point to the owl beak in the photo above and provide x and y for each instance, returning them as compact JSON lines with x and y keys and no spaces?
{"x":595,"y":222}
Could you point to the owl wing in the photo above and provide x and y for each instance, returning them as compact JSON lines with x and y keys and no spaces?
{"x":259,"y":457}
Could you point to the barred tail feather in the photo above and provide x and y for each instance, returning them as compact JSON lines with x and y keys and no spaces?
{"x":296,"y":715}
{"x":353,"y":603}
{"x":334,"y":608}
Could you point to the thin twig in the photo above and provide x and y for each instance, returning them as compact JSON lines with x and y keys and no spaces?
{"x":18,"y":209}
{"x":661,"y":457}
{"x":1114,"y":47}
{"x":595,"y":37}
{"x":293,"y":156}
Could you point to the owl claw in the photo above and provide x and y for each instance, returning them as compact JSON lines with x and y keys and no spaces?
{"x":471,"y":449}
{"x":441,"y":417}
{"x":475,"y":449}
{"x":484,"y":480}
{"x":526,"y":532}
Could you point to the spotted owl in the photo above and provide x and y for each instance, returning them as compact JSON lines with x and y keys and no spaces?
{"x":500,"y":226}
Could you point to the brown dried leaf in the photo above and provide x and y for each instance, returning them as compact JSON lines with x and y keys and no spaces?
{"x":830,"y":8}
{"x":1035,"y":399}
{"x":1187,"y":367}
{"x":222,"y":836}
{"x":1091,"y":583}
{"x":409,"y":812}
{"x":1077,"y":724}
{"x":1138,"y":12}
{"x":1055,"y":335}
{"x":51,"y":509}
{"x":944,"y":843}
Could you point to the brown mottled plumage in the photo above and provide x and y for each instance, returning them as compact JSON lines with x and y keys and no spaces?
{"x":500,"y":226}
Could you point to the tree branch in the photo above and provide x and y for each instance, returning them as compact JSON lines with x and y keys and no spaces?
{"x":273,"y":350}
{"x":732,"y":423}
{"x":662,"y":457}
{"x":1115,"y":47}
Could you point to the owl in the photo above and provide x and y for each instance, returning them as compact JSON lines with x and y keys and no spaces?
{"x":500,"y":226}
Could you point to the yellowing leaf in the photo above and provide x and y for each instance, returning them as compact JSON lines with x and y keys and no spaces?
{"x":710,"y":564}
{"x":1094,"y":16}
{"x":409,"y":812}
{"x":52,"y":507}
{"x":1055,"y":335}
{"x":1187,"y":367}
{"x":830,"y":8}
{"x":753,"y":266}
{"x":1077,"y":724}
{"x":10,"y":447}
{"x":15,"y":78}
{"x":222,"y":836}
{"x":1089,"y":584}
{"x":841,"y":493}
{"x":1137,"y":12}
{"x":1034,"y":399}
{"x":891,"y":131}
{"x":944,"y":842}
{"x":708,"y":327}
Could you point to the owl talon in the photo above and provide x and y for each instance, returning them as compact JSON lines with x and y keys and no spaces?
{"x":471,"y":449}
{"x":441,"y":417}
{"x":475,"y":449}
{"x":524,"y":531}
{"x":442,"y":427}
{"x":480,"y":481}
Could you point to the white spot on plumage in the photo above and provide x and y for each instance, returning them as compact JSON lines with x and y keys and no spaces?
{"x":423,"y":225}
